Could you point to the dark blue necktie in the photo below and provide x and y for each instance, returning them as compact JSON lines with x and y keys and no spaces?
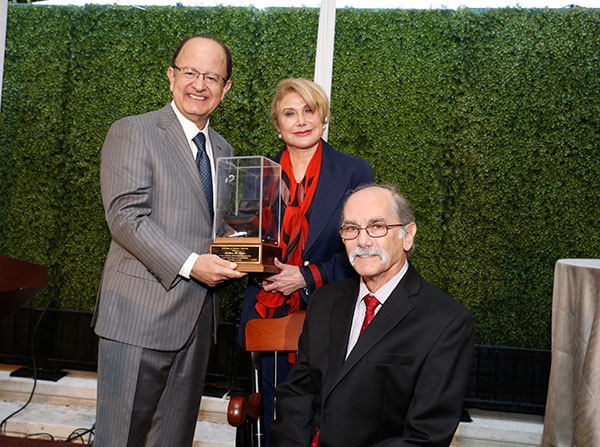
{"x":203,"y":163}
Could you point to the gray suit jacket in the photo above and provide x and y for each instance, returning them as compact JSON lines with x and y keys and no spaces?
{"x":157,"y":214}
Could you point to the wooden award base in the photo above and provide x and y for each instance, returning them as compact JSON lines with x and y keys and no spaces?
{"x":250,"y":253}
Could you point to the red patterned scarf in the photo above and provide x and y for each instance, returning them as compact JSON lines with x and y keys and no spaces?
{"x":294,"y":228}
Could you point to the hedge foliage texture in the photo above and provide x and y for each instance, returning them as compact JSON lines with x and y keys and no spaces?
{"x":488,"y":121}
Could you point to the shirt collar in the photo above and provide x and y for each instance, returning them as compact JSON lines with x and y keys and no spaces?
{"x":384,"y":292}
{"x":189,"y":128}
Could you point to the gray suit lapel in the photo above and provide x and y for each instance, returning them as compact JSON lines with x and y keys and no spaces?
{"x":178,"y":148}
{"x":396,"y":307}
{"x":220,"y":148}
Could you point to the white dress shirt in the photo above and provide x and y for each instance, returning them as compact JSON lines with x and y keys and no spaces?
{"x":191,"y":130}
{"x":360,"y":308}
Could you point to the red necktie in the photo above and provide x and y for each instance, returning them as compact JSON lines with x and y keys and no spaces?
{"x":315,"y":441}
{"x":371,"y":302}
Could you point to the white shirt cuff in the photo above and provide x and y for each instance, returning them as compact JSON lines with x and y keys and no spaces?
{"x":186,"y":270}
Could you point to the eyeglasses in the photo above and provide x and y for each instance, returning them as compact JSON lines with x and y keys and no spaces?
{"x":191,"y":74}
{"x":349,"y":232}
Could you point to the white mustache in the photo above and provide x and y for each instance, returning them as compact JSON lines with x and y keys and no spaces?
{"x":369,"y":251}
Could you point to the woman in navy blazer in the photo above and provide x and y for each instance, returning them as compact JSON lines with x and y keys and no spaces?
{"x":300,"y":112}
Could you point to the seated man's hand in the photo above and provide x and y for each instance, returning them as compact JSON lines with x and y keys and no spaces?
{"x":212,"y":270}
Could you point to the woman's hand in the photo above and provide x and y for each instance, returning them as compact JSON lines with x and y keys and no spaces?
{"x":287,"y":281}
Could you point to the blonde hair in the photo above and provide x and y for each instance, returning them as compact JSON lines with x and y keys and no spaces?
{"x":311,"y":92}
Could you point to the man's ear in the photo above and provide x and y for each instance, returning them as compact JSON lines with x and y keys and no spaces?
{"x":226,"y":88}
{"x":409,"y":238}
{"x":171,"y":76}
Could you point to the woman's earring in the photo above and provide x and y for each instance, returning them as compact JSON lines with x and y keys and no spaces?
{"x":279,"y":136}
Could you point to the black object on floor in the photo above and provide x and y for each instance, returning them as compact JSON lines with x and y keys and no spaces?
{"x":9,"y":441}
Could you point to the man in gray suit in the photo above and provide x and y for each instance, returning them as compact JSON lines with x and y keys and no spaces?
{"x":155,"y":312}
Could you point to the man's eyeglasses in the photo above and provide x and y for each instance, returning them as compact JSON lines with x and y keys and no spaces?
{"x":191,"y":74}
{"x":349,"y":232}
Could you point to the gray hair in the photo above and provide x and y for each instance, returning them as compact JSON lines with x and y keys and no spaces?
{"x":399,"y":204}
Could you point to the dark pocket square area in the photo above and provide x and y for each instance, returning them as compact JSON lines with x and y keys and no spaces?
{"x":390,"y":357}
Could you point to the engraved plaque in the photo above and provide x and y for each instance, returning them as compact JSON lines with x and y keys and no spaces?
{"x":238,"y":253}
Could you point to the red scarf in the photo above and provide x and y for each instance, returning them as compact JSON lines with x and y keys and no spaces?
{"x":294,"y":228}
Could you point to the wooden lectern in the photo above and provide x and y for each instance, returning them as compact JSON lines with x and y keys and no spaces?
{"x":20,"y":281}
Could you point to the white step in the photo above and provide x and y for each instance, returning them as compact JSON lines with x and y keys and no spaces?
{"x":59,"y":408}
{"x":498,"y":429}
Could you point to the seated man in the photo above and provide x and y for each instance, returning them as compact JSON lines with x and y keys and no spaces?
{"x":403,"y":381}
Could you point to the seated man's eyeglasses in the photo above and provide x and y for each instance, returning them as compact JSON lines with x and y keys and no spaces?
{"x":349,"y":232}
{"x":191,"y":75}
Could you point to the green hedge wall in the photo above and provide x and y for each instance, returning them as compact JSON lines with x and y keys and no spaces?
{"x":33,"y":127}
{"x":488,"y":121}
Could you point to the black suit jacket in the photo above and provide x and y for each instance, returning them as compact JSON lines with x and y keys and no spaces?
{"x":403,"y":384}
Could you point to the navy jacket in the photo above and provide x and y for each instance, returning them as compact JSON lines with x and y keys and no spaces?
{"x":340,"y":173}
